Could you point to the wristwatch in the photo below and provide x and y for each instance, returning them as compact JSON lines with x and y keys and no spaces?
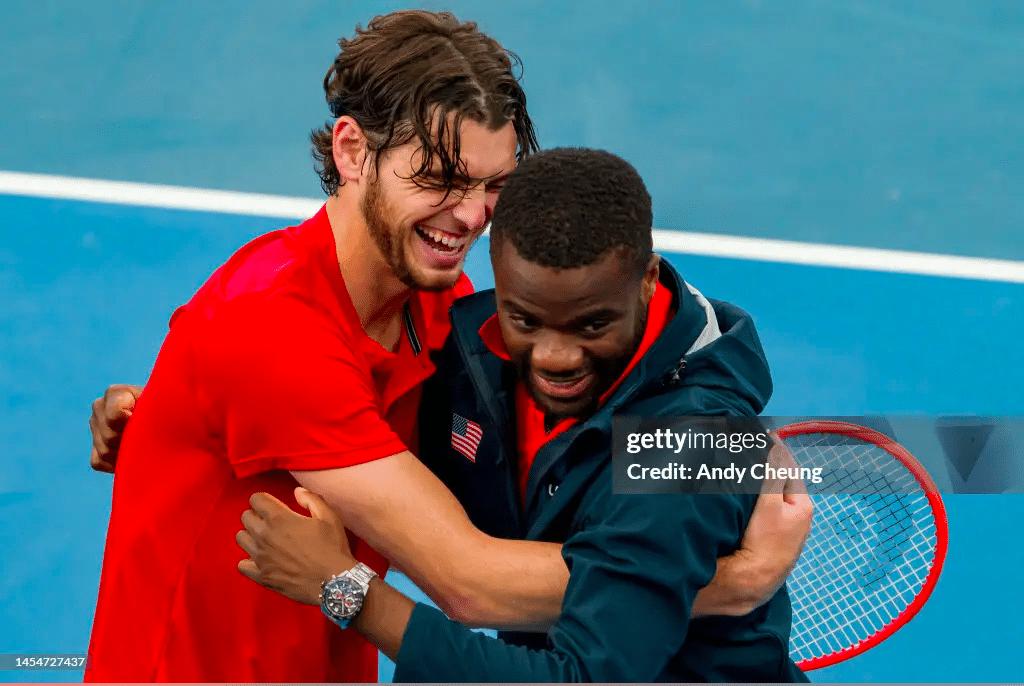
{"x":342,"y":596}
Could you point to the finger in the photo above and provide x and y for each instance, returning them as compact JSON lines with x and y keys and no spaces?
{"x":253,"y":523}
{"x":795,"y":489}
{"x":316,"y":505}
{"x":122,"y":394}
{"x":99,"y":445}
{"x":100,"y":464}
{"x":774,"y":482}
{"x":118,"y":407}
{"x":246,"y":542}
{"x":782,"y":458}
{"x":266,"y":505}
{"x":101,"y":433}
{"x":248,"y":568}
{"x":109,"y":430}
{"x":796,"y":486}
{"x":97,"y":412}
{"x":801,"y":505}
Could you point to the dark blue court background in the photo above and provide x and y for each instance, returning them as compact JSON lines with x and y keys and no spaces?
{"x":883,"y":124}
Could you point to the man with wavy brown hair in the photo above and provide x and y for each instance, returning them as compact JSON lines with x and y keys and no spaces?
{"x":300,"y":361}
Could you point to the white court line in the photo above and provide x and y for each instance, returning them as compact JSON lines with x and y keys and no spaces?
{"x":843,"y":256}
{"x":713,"y":245}
{"x":151,"y":195}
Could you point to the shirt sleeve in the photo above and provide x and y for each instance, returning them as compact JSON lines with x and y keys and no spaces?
{"x":284,"y":387}
{"x":634,"y":574}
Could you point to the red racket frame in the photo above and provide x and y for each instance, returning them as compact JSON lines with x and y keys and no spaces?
{"x":938,"y":510}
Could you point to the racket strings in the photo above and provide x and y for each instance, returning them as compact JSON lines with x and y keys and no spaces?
{"x":872,"y":517}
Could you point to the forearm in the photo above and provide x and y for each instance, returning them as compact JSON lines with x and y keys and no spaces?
{"x":518,"y":587}
{"x":495,"y":583}
{"x":737,"y":588}
{"x":418,"y":524}
{"x":384,"y":617}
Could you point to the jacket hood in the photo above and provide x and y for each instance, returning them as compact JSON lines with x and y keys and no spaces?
{"x":706,"y":343}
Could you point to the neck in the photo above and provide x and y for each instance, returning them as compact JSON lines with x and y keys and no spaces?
{"x":377,"y":294}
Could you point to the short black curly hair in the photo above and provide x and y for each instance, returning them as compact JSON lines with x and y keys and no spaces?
{"x":568,"y":207}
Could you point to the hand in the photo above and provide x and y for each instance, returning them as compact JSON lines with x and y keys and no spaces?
{"x":289,"y":552}
{"x":110,"y":415}
{"x":779,"y":525}
{"x":771,"y":545}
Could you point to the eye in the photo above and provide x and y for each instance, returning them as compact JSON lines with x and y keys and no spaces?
{"x":524,"y":322}
{"x":594,"y":326}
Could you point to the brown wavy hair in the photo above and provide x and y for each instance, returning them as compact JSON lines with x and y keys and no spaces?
{"x":415,"y":74}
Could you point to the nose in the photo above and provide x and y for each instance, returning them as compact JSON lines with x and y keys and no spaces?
{"x":474,"y":208}
{"x":555,"y":354}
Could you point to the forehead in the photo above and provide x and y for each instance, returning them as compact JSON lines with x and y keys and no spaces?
{"x":484,"y":152}
{"x":562,"y":294}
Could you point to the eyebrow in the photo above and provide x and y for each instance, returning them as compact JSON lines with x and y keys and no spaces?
{"x":598,"y":314}
{"x":464,"y":180}
{"x":603,"y":313}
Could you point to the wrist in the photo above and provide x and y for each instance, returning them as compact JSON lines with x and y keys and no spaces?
{"x":754,"y":580}
{"x":343,"y":595}
{"x":737,"y":586}
{"x":312,"y":593}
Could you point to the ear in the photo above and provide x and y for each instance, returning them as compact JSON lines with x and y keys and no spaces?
{"x":350,"y":150}
{"x":651,"y":278}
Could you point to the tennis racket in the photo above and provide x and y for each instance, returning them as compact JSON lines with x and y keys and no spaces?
{"x":876,"y":547}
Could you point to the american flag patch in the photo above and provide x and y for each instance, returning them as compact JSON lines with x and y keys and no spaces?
{"x":466,"y":436}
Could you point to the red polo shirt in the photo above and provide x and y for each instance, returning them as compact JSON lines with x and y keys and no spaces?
{"x":530,"y":431}
{"x":266,"y":370}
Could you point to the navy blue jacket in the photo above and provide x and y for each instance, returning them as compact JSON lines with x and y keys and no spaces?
{"x":636,"y":562}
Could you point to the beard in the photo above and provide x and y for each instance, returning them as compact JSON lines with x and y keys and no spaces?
{"x":375,"y":213}
{"x":389,"y":239}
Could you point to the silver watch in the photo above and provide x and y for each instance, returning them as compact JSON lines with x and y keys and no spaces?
{"x":342,"y":596}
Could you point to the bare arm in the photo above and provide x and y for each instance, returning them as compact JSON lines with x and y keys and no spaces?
{"x":489,"y":582}
{"x":496,"y":583}
{"x":404,"y":512}
{"x":771,"y":546}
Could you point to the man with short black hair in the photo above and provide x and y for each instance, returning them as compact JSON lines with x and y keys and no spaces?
{"x":584,"y":323}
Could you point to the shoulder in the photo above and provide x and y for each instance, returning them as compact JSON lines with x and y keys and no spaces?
{"x":292,"y":259}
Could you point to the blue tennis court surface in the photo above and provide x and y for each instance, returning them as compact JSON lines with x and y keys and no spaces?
{"x":881,"y":124}
{"x":88,"y":289}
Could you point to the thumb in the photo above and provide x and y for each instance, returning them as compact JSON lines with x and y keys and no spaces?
{"x":120,"y":404}
{"x":316,"y":506}
{"x":774,"y":482}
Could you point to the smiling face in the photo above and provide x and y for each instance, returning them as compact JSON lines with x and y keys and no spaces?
{"x":571,"y":332}
{"x":422,"y":231}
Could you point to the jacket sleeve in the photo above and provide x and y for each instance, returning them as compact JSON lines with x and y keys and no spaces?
{"x":635,"y":569}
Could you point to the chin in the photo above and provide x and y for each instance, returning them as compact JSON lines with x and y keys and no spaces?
{"x":563,"y":410}
{"x":433,"y":279}
{"x":436,"y":282}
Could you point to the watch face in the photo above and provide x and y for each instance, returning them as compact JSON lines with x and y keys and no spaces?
{"x":343,"y":597}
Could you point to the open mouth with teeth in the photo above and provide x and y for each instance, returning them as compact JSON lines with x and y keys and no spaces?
{"x":444,"y":243}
